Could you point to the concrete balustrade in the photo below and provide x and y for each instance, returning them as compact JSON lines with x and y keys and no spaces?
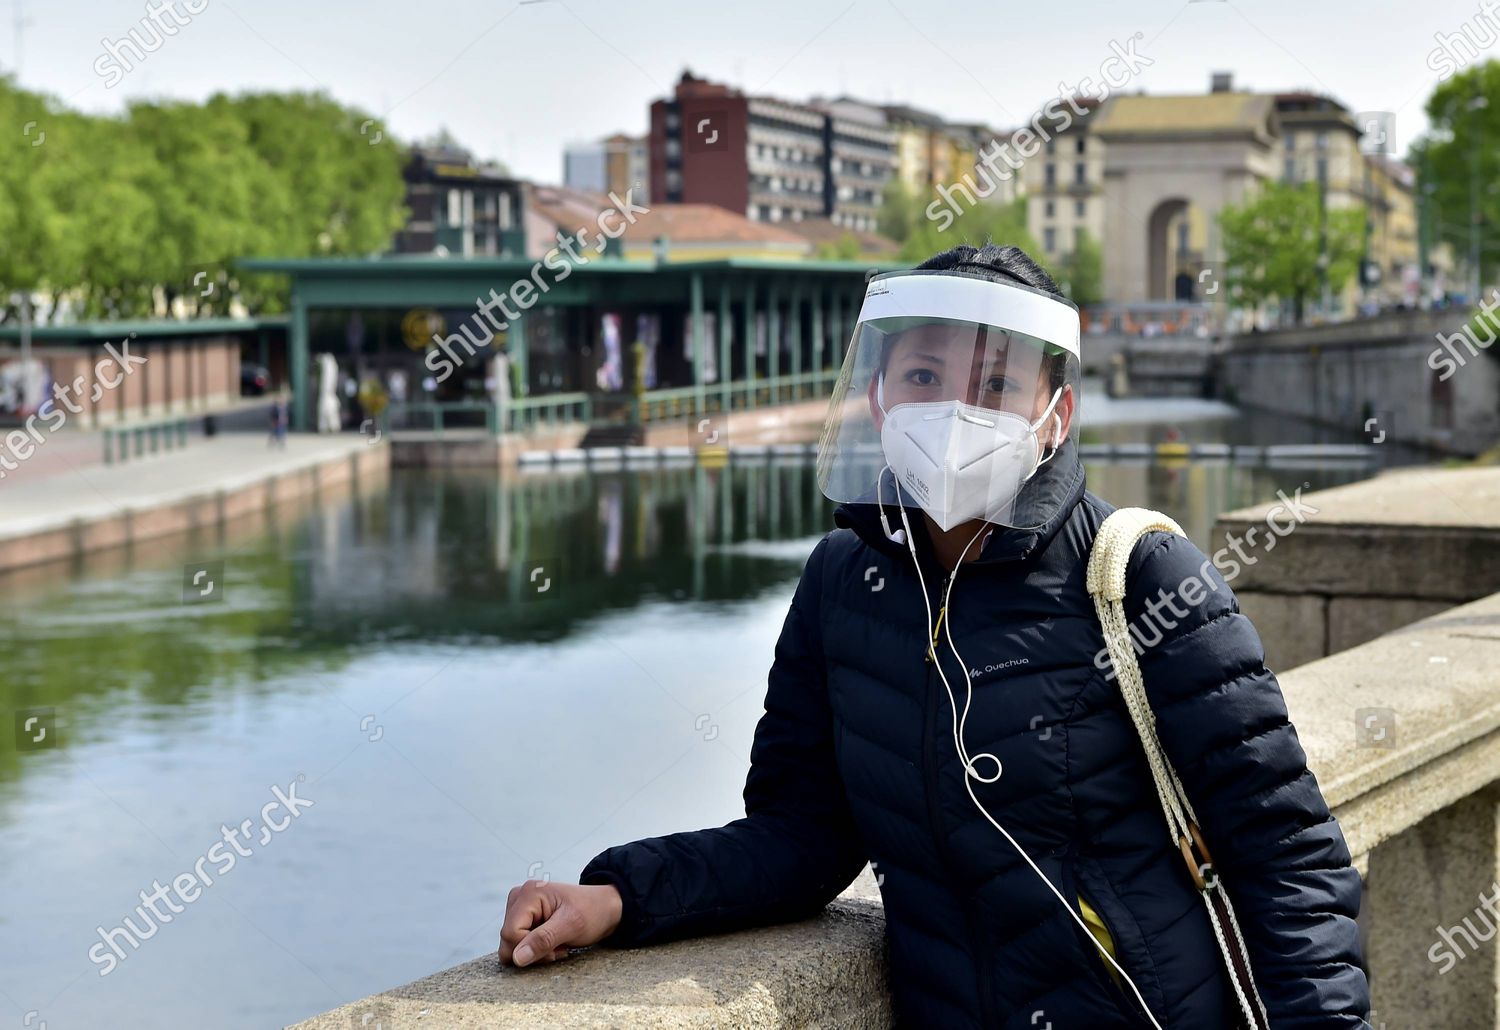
{"x":1378,"y":554}
{"x":1402,"y":732}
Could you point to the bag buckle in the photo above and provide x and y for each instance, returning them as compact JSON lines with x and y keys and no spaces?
{"x":1205,"y":876}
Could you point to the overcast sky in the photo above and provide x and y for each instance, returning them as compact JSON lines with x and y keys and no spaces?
{"x":518,"y":81}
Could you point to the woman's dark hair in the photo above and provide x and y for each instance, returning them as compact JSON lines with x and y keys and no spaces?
{"x":992,"y":261}
{"x":1001,"y":264}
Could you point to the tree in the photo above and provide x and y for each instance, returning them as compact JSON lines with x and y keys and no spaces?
{"x":974,"y":225}
{"x":846,"y":248}
{"x":1081,"y":272}
{"x":898,"y":211}
{"x":1273,"y":250}
{"x":117,"y":217}
{"x":34,"y":229}
{"x":1461,"y":151}
{"x":339,"y":188}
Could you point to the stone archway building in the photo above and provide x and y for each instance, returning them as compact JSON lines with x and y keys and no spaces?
{"x":1173,"y":163}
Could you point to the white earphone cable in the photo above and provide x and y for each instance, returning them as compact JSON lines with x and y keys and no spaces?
{"x":958,"y":727}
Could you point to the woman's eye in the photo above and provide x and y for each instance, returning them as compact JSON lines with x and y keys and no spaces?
{"x":921,"y":377}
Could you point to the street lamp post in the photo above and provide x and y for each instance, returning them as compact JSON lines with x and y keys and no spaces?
{"x":1475,"y":105}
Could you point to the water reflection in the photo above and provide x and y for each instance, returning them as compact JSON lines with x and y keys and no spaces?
{"x":445,"y":559}
{"x":520,"y":728}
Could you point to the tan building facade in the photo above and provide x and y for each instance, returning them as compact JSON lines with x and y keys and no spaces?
{"x":1064,"y":184}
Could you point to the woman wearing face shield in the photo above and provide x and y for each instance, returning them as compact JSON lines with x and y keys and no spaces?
{"x":955,"y":726}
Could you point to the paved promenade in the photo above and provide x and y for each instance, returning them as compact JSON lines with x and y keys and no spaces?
{"x":71,"y":492}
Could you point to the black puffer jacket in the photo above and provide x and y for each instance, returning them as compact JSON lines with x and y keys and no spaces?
{"x":854,"y":761}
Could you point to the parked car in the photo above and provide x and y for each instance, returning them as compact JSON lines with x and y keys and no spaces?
{"x":254,"y":380}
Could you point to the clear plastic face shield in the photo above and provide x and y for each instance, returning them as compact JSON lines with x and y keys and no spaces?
{"x":959,"y":395}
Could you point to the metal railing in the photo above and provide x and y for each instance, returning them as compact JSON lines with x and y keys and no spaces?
{"x":740,"y":395}
{"x":137,"y":440}
{"x":542,"y":411}
{"x":512,"y":416}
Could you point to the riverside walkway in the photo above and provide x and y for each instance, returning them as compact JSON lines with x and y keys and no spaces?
{"x":63,"y":500}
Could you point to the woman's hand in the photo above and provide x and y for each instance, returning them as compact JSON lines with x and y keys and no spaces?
{"x":544,"y":919}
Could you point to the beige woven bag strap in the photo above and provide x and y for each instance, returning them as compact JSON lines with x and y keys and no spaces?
{"x":1106,"y":584}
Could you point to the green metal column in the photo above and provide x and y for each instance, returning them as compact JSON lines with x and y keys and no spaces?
{"x":836,"y":326}
{"x":817,"y":340}
{"x":749,"y":341}
{"x":726,"y":368}
{"x":794,"y":315}
{"x":298,"y":360}
{"x":516,"y":344}
{"x":698,"y":343}
{"x":773,"y":340}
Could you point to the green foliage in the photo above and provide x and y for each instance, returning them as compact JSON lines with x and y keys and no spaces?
{"x":898,"y":211}
{"x":846,"y":249}
{"x":1272,"y":249}
{"x":975,"y":225}
{"x":120,"y":215}
{"x":1081,"y":272}
{"x":1462,"y":148}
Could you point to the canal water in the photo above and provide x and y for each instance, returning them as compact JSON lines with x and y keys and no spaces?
{"x":471,"y":682}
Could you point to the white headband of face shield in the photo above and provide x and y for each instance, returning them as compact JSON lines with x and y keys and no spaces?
{"x":968,"y":298}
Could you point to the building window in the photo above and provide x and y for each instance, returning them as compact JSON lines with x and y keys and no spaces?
{"x":1322,"y":141}
{"x":1080,"y":208}
{"x":1051,"y":174}
{"x":1051,"y":209}
{"x":1080,"y":174}
{"x":1078,"y":147}
{"x":1290,"y":173}
{"x":455,"y":207}
{"x":1051,"y":145}
{"x":1291,"y":144}
{"x":1077,"y":237}
{"x":1322,"y":169}
{"x":1049,"y":239}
